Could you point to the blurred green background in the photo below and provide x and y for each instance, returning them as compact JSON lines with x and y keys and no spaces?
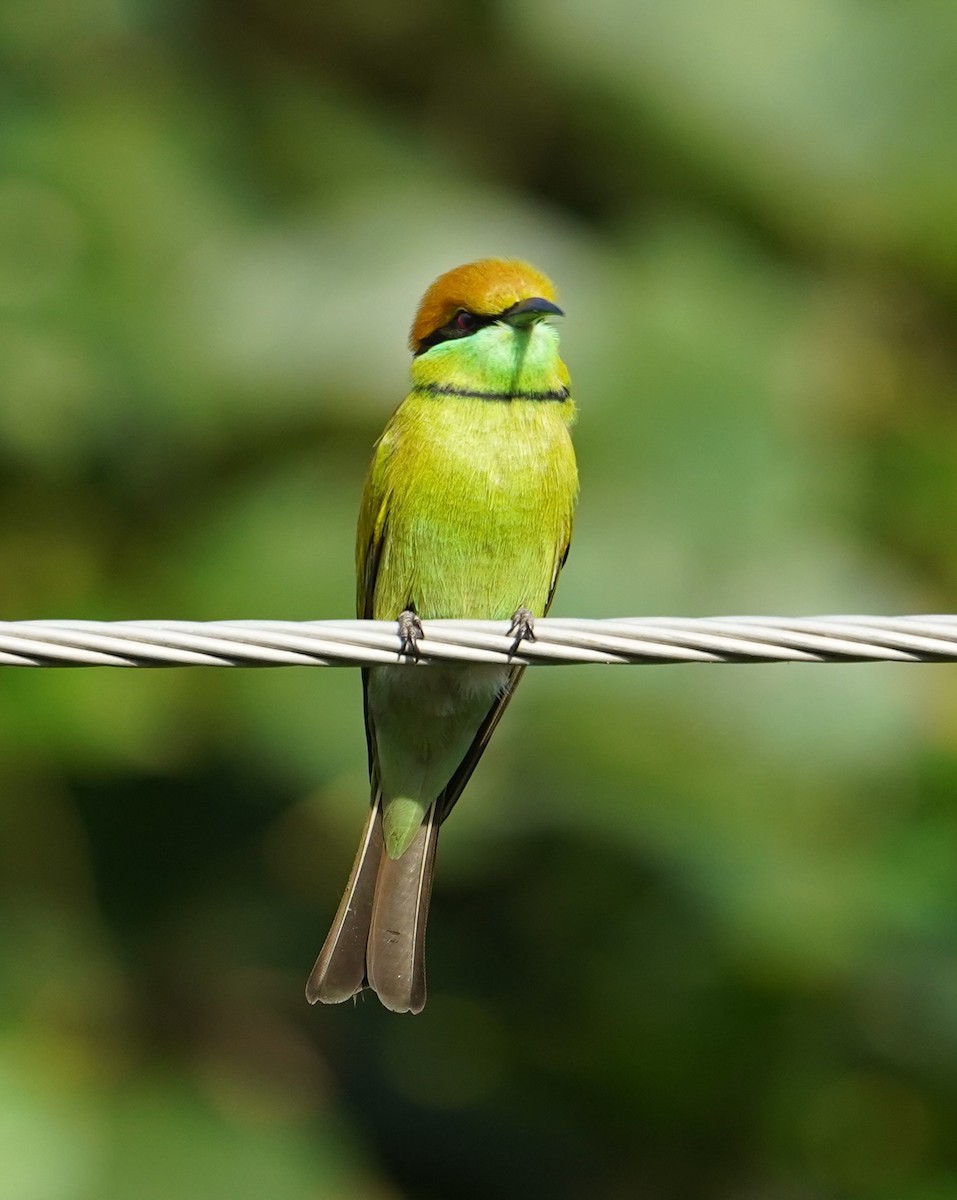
{"x":694,"y":928}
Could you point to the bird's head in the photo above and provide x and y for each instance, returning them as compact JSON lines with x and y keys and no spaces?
{"x":471,"y":298}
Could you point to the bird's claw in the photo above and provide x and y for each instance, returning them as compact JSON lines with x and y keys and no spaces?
{"x":522,"y":628}
{"x":410,"y":630}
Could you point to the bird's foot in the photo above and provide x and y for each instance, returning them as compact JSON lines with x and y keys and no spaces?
{"x":410,"y":630}
{"x":522,"y":628}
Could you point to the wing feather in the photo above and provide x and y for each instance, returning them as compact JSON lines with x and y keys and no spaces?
{"x":371,"y":534}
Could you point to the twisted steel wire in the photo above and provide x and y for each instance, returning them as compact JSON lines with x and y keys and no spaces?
{"x":558,"y":640}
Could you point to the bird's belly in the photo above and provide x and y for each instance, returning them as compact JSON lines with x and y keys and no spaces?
{"x":487,"y":550}
{"x":433,"y":693}
{"x":423,"y":721}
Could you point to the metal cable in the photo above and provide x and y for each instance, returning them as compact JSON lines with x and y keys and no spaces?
{"x":558,"y":640}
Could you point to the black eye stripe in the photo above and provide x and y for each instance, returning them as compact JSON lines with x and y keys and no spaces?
{"x":450,"y":331}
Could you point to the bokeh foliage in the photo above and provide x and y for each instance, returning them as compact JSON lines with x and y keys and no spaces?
{"x":694,"y":929}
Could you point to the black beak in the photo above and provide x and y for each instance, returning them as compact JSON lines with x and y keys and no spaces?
{"x":526,"y":311}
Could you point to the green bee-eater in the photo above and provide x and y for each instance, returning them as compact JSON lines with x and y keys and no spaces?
{"x":467,"y":512}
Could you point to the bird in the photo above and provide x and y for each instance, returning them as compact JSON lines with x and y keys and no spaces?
{"x":466,"y":513}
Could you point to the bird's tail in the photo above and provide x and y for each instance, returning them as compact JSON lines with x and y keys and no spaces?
{"x":378,"y":935}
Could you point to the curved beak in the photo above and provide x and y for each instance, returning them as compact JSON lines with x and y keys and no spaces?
{"x":532,"y":309}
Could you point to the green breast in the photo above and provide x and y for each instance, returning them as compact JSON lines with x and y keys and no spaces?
{"x":481,"y":494}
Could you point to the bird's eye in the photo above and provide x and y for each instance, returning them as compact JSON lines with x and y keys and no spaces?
{"x":465,"y":322}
